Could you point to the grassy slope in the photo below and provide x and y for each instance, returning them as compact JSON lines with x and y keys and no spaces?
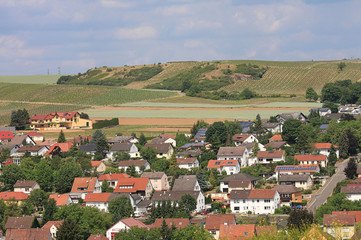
{"x":34,"y":79}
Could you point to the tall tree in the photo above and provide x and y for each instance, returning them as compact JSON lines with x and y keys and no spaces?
{"x":332,"y":157}
{"x":19,"y":119}
{"x":258,"y":128}
{"x":50,"y":210}
{"x":4,"y":154}
{"x":69,"y":230}
{"x":300,"y":218}
{"x":212,"y":179}
{"x":120,"y":207}
{"x":101,"y":143}
{"x":149,"y":153}
{"x":44,"y":175}
{"x":311,"y":94}
{"x":142,"y":140}
{"x":61,"y":138}
{"x":216,"y":134}
{"x":201,"y":178}
{"x":38,"y":198}
{"x":65,"y":177}
{"x":303,"y":143}
{"x":344,"y":144}
{"x":190,"y":204}
{"x":290,"y":130}
{"x":10,"y":175}
{"x":351,"y":169}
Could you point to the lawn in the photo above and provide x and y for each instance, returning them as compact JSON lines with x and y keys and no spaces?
{"x":34,"y":79}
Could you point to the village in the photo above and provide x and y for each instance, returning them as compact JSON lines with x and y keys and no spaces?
{"x":228,"y":180}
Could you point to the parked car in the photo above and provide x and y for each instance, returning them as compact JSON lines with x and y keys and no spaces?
{"x":205,"y":212}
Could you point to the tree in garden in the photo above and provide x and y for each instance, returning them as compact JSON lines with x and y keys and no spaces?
{"x":201,"y":178}
{"x":106,"y":187}
{"x":173,"y":166}
{"x":19,"y":119}
{"x":212,"y":179}
{"x":149,"y":153}
{"x":233,"y":127}
{"x":65,"y":177}
{"x":44,"y":175}
{"x":35,"y":223}
{"x":190,"y":204}
{"x":198,"y":125}
{"x":181,"y":139}
{"x":69,"y":230}
{"x":344,"y":144}
{"x":101,"y":142}
{"x":290,"y":130}
{"x":121,"y":156}
{"x":332,"y":157}
{"x":311,"y":94}
{"x":258,"y":128}
{"x":302,"y":143}
{"x":142,"y":140}
{"x":10,"y":175}
{"x":332,"y":106}
{"x":216,"y":134}
{"x":61,"y":138}
{"x":351,"y":169}
{"x":300,"y":218}
{"x":4,"y":154}
{"x":50,"y":210}
{"x":38,"y":198}
{"x":139,"y":233}
{"x":192,"y":232}
{"x":120,"y":208}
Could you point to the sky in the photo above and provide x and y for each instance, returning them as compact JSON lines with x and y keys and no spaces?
{"x":76,"y":35}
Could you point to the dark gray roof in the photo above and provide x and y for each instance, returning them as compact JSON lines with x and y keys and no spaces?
{"x":285,"y":189}
{"x":158,"y":140}
{"x":231,"y":151}
{"x":161,"y":147}
{"x":119,"y":139}
{"x":153,"y":175}
{"x":276,"y":145}
{"x":294,"y":178}
{"x":240,"y":177}
{"x":267,"y":124}
{"x":144,"y":203}
{"x":239,"y":194}
{"x":294,"y":115}
{"x":91,"y":147}
{"x":351,"y":189}
{"x":9,"y":146}
{"x":192,"y":153}
{"x":173,"y":195}
{"x":185,"y":183}
{"x":125,"y":146}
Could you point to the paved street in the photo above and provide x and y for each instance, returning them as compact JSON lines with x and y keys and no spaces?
{"x":326,"y":191}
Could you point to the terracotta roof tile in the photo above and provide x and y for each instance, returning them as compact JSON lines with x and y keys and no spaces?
{"x":96,"y":163}
{"x":240,"y":137}
{"x":186,"y":160}
{"x":49,"y":224}
{"x":97,"y":237}
{"x":65,"y":147}
{"x":97,"y":197}
{"x":131,"y":222}
{"x":236,"y":232}
{"x":338,"y":219}
{"x":356,"y":189}
{"x":357,"y":214}
{"x":34,"y":134}
{"x":113,"y":176}
{"x":30,"y":148}
{"x":61,"y":199}
{"x":270,"y":154}
{"x":310,"y":157}
{"x":84,"y":184}
{"x":214,"y":221}
{"x":276,"y":137}
{"x":221,"y":163}
{"x":6,"y":135}
{"x":28,"y":234}
{"x":13,"y":195}
{"x":19,"y":222}
{"x":131,"y":185}
{"x":324,"y":145}
{"x":129,"y":163}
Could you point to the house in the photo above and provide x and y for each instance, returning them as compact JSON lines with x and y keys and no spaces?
{"x":300,"y":181}
{"x":200,"y":135}
{"x":289,"y":194}
{"x":337,"y":116}
{"x":195,"y":145}
{"x":257,"y":201}
{"x":28,"y":234}
{"x":11,"y":129}
{"x":325,"y":148}
{"x":124,"y":147}
{"x":122,"y":139}
{"x":124,"y":224}
{"x":229,"y":166}
{"x":59,"y":120}
{"x":19,"y":222}
{"x":276,"y":145}
{"x":84,"y":185}
{"x":12,"y":147}
{"x":340,"y":226}
{"x":112,"y":178}
{"x":352,"y":191}
{"x":349,"y":109}
{"x":215,"y":221}
{"x":159,"y":180}
{"x":36,"y":150}
{"x":186,"y":183}
{"x":295,"y":115}
{"x":321,"y":111}
{"x":99,"y":200}
{"x":187,"y":163}
{"x":142,"y":208}
{"x":235,"y":232}
{"x":58,"y":148}
{"x":53,"y":227}
{"x":276,"y":138}
{"x":140,"y":186}
{"x":246,"y":126}
{"x":238,"y":139}
{"x":189,"y":153}
{"x":89,"y":148}
{"x":266,"y":157}
{"x":357,"y":214}
{"x":61,"y":199}
{"x":312,"y":159}
{"x":164,"y":150}
{"x":25,"y":186}
{"x":165,"y":138}
{"x":176,"y":196}
{"x":17,"y":197}
{"x":6,"y":136}
{"x":22,"y":140}
{"x":97,"y":237}
{"x":98,"y":166}
{"x":36,"y":136}
{"x":81,"y":140}
{"x":273,"y":127}
{"x":296,"y":169}
{"x":140,"y":165}
{"x":234,"y":153}
{"x":176,"y":222}
{"x":240,"y":181}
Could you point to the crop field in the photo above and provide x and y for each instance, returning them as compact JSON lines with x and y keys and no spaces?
{"x":7,"y":107}
{"x":31,"y":79}
{"x":87,"y":95}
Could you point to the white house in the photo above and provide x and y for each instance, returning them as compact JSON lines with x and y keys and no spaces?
{"x":238,"y":139}
{"x":53,"y":227}
{"x":234,"y":153}
{"x":126,"y":147}
{"x":295,"y":115}
{"x":240,"y":181}
{"x":312,"y":159}
{"x":266,"y":157}
{"x":300,"y":181}
{"x":273,"y":127}
{"x":187,"y":163}
{"x":124,"y":224}
{"x":36,"y":150}
{"x":230,"y":166}
{"x":101,"y":200}
{"x":140,"y":165}
{"x":296,"y":169}
{"x":325,"y":148}
{"x":175,"y":197}
{"x":84,"y":185}
{"x":25,"y":186}
{"x":353,"y":192}
{"x":258,"y":201}
{"x":165,"y":138}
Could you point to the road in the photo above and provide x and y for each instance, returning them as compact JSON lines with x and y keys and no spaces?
{"x":326,"y":191}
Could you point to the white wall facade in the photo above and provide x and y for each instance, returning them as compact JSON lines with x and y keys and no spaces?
{"x":256,"y":206}
{"x":354,"y":196}
{"x":102,"y":206}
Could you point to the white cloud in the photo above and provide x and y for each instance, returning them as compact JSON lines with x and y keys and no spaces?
{"x":22,"y":3}
{"x":115,"y":4}
{"x":193,"y":43}
{"x":173,"y":10}
{"x":12,"y":47}
{"x":85,"y":63}
{"x":142,"y":32}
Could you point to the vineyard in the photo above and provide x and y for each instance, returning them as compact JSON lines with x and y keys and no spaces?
{"x":31,"y":79}
{"x":87,"y":95}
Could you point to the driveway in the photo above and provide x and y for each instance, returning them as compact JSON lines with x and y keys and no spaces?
{"x":326,"y":191}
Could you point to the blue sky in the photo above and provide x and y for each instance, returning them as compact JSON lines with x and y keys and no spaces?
{"x":37,"y":35}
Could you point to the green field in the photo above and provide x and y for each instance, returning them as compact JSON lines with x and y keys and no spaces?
{"x":87,"y":95}
{"x":32,"y":79}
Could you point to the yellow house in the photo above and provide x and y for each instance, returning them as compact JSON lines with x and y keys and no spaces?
{"x":17,"y":197}
{"x":59,"y":120}
{"x":340,"y":226}
{"x":164,"y":150}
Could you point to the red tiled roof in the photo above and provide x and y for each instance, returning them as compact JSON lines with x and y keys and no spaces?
{"x":97,"y":197}
{"x":8,"y":162}
{"x":186,"y":160}
{"x":324,"y":145}
{"x":6,"y":135}
{"x":49,"y":116}
{"x":277,"y":137}
{"x":262,"y":193}
{"x":97,"y":237}
{"x":13,"y":195}
{"x":167,"y":136}
{"x":61,"y":199}
{"x":221,"y":163}
{"x":65,"y":147}
{"x":357,"y":214}
{"x":30,"y":148}
{"x":28,"y":234}
{"x":49,"y":224}
{"x":310,"y":157}
{"x":33,"y":134}
{"x":136,"y":184}
{"x":270,"y":154}
{"x":176,"y":222}
{"x":338,"y":219}
{"x":131,"y":222}
{"x":113,"y":176}
{"x":236,"y":232}
{"x":96,"y":163}
{"x":214,"y":221}
{"x":84,"y":182}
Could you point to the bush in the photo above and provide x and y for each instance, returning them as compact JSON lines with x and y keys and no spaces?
{"x":106,"y":123}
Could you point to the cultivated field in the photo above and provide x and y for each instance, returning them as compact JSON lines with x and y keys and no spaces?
{"x":33,"y":79}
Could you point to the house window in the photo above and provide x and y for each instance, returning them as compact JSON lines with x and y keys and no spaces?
{"x":346,"y":230}
{"x":267,"y":200}
{"x":267,"y":207}
{"x":236,"y":208}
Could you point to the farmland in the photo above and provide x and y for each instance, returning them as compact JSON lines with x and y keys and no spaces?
{"x":31,"y":79}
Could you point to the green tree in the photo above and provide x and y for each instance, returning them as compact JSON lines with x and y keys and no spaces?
{"x":142,"y":140}
{"x":38,"y":198}
{"x":341,"y":65}
{"x":50,"y":210}
{"x":121,"y":156}
{"x":10,"y":175}
{"x":190,"y":204}
{"x":160,"y":165}
{"x":19,"y":119}
{"x":27,"y":165}
{"x":300,"y":218}
{"x":139,"y":234}
{"x":332,"y":157}
{"x":69,"y":230}
{"x":216,"y":134}
{"x":120,"y":207}
{"x":258,"y":128}
{"x":105,"y":186}
{"x":247,"y":94}
{"x":332,"y":106}
{"x":192,"y":232}
{"x":44,"y":175}
{"x":61,"y":138}
{"x":101,"y":142}
{"x":4,"y":154}
{"x":311,"y":94}
{"x":201,"y":178}
{"x":65,"y":177}
{"x":303,"y":143}
{"x":149,"y":153}
{"x":212,"y":179}
{"x":351,"y":169}
{"x":35,"y":223}
{"x":331,"y":92}
{"x":181,"y":139}
{"x":344,"y":144}
{"x":198,"y":125}
{"x":290,"y":130}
